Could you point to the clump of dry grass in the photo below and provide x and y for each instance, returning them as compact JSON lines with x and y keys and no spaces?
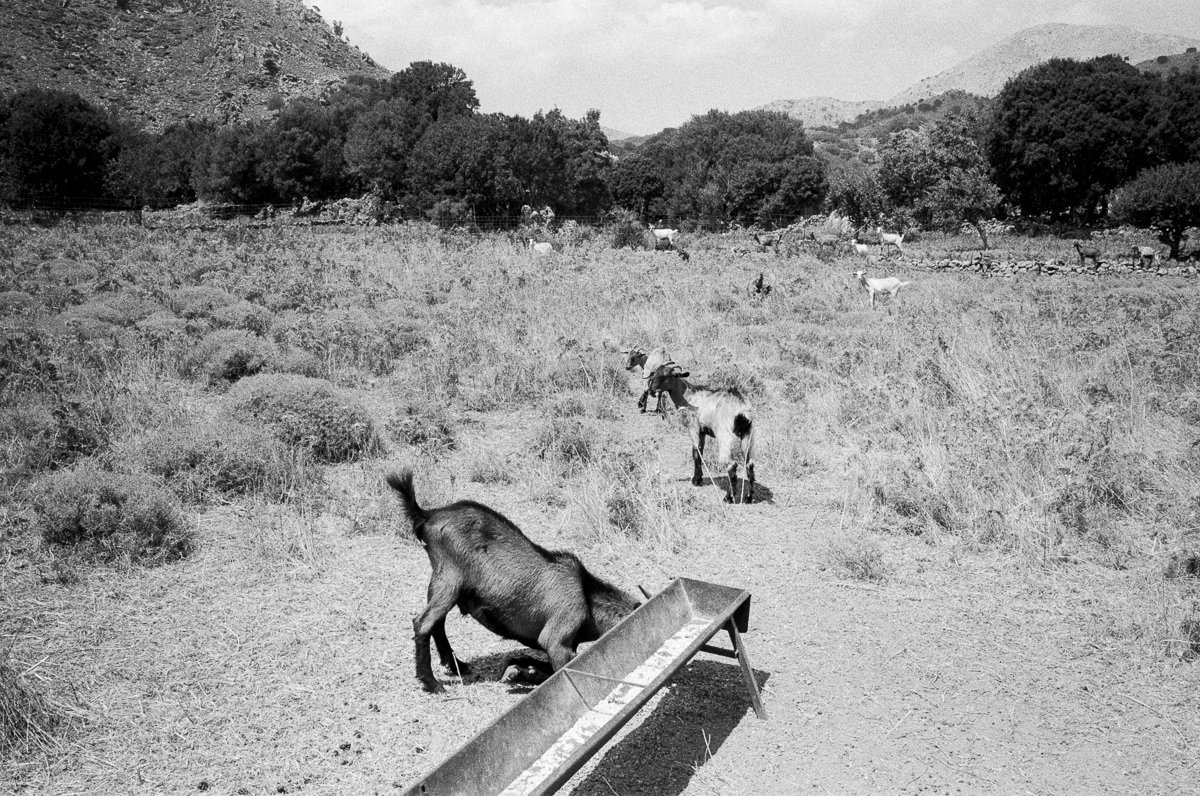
{"x":26,"y":717}
{"x":856,"y":555}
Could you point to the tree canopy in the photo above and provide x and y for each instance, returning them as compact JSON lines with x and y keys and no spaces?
{"x":1066,"y":132}
{"x":1166,"y":198}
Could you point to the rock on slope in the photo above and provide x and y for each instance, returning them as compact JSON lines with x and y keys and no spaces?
{"x":161,"y":61}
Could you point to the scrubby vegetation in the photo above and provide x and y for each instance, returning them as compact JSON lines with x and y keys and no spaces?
{"x":227,"y":406}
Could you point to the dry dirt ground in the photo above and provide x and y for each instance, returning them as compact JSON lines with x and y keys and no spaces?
{"x":961,"y":672}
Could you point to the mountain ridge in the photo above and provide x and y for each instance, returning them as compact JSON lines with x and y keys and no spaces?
{"x":986,"y":72}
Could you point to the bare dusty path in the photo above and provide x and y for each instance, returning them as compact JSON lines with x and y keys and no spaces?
{"x":962,"y":672}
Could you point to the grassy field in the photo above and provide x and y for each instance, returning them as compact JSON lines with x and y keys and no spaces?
{"x":206,"y":584}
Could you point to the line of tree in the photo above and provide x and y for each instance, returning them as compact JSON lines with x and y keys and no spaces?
{"x":1065,"y":141}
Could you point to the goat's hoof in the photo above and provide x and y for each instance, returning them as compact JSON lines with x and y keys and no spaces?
{"x":697,"y":481}
{"x":729,"y":498}
{"x":433,"y":686}
{"x":457,"y":668}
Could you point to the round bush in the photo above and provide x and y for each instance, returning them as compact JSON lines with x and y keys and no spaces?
{"x":308,"y":413}
{"x":202,"y":461}
{"x":228,"y":355}
{"x":111,"y":516}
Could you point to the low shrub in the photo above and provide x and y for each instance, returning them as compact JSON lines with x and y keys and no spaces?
{"x":227,"y":355}
{"x":111,"y":516}
{"x":309,"y":413}
{"x":567,"y":441}
{"x":204,"y":461}
{"x":45,"y":431}
{"x":426,"y":425}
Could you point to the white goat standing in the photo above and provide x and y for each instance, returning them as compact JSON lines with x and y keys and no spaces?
{"x":649,"y":362}
{"x":890,"y":239}
{"x":720,"y":413}
{"x":540,"y":247}
{"x":664,"y":234}
{"x":890,"y":285}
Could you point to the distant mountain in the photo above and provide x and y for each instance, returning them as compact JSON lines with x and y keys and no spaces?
{"x":161,"y":61}
{"x":822,"y":111}
{"x":615,"y":135}
{"x":986,"y":72}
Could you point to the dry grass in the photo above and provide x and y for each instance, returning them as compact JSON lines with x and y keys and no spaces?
{"x":1049,"y":425}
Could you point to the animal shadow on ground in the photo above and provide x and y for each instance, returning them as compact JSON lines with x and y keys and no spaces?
{"x":762,"y":493}
{"x":698,"y":711}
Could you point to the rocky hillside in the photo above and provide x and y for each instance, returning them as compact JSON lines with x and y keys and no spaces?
{"x":1165,"y":64}
{"x":986,"y":72}
{"x":822,"y":111}
{"x":161,"y":61}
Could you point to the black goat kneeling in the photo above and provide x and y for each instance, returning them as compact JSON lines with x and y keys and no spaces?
{"x":482,"y":563}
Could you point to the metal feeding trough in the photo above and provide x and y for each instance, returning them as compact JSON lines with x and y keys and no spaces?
{"x":541,"y":741}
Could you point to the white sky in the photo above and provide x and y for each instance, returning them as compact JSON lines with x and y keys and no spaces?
{"x":650,"y":64}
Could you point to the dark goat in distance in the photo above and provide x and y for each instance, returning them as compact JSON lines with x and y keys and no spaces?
{"x":1086,"y":252}
{"x":482,"y":563}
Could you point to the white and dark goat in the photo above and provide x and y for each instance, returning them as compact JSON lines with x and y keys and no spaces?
{"x":890,"y":285}
{"x":716,"y":412}
{"x":649,"y":362}
{"x":1147,"y":254}
{"x":890,"y":239}
{"x":1086,"y":252}
{"x":482,"y":563}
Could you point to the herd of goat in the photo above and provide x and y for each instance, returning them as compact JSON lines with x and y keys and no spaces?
{"x":546,"y":599}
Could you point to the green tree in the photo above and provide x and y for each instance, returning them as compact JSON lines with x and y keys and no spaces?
{"x":379,"y":143}
{"x":1065,"y":133}
{"x":749,"y":167}
{"x":963,"y":196}
{"x":1166,"y":199}
{"x":54,"y":144}
{"x":438,"y":90}
{"x":1176,"y":134}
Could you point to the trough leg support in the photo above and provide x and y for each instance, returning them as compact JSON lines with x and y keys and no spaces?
{"x":747,"y":672}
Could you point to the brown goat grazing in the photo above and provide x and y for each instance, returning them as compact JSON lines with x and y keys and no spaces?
{"x":1087,"y":251}
{"x":482,"y":563}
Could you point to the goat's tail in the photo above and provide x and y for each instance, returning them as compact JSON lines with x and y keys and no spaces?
{"x":402,"y":482}
{"x":742,"y":426}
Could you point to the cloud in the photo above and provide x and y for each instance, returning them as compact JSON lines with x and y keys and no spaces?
{"x":648,"y":64}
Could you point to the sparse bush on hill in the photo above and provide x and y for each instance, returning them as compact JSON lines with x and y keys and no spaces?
{"x":111,"y":517}
{"x":309,"y":413}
